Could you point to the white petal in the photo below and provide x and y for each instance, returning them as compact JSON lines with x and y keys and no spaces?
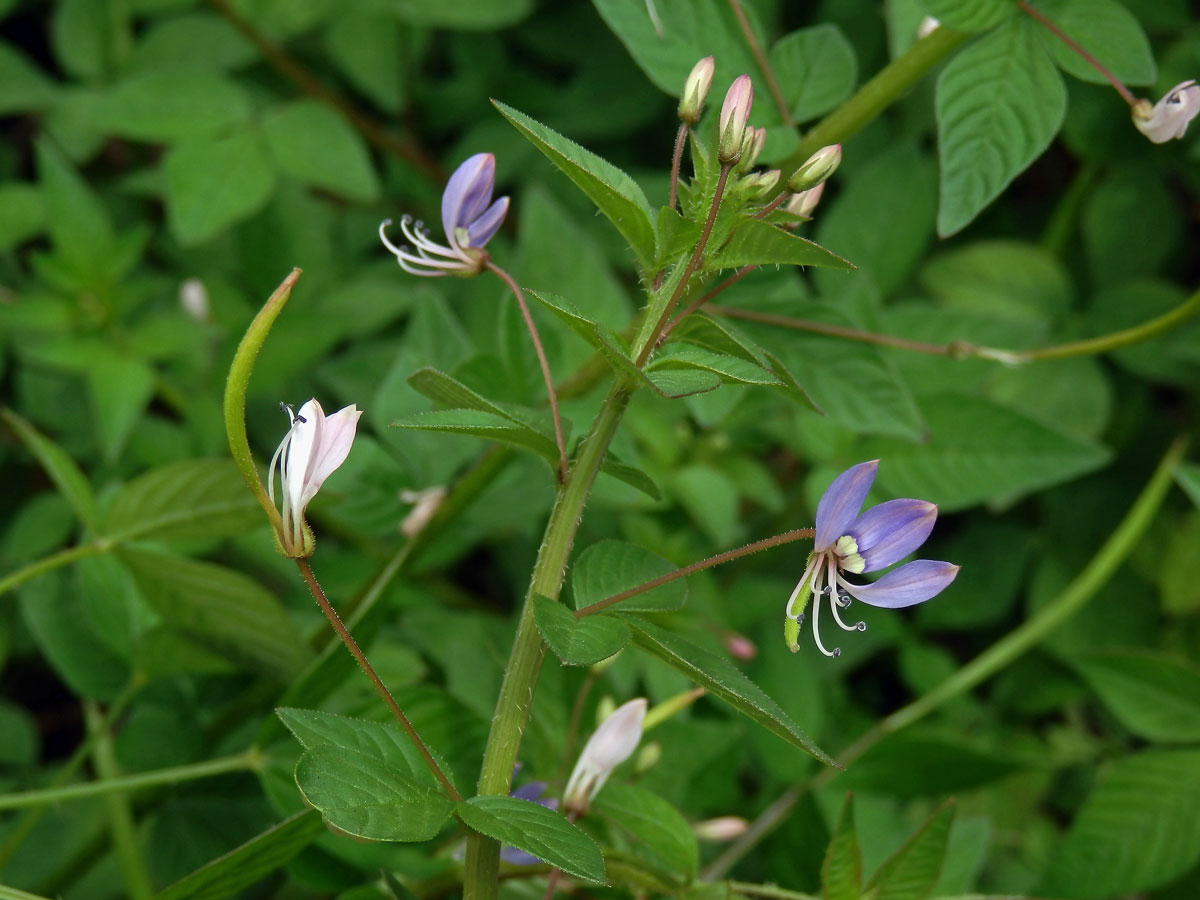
{"x":336,"y":436}
{"x":300,"y":454}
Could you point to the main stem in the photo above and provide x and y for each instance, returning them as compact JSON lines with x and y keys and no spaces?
{"x":482,"y":865}
{"x":361,"y":658}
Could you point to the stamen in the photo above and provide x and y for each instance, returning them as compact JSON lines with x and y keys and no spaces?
{"x":861,"y":626}
{"x":833,"y":600}
{"x":816,"y":608}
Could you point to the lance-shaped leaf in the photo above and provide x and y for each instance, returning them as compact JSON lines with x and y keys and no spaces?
{"x":912,"y":871}
{"x":841,"y":872}
{"x":608,"y":568}
{"x":657,"y":828}
{"x":758,"y":243}
{"x":615,"y":194}
{"x":724,"y":680}
{"x":62,"y":470}
{"x":541,"y":832}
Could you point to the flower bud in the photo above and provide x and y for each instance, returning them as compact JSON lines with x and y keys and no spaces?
{"x":695,"y":90}
{"x":739,"y":646}
{"x":759,"y":184}
{"x":611,"y":744}
{"x":1169,"y":117}
{"x":193,"y":297}
{"x":818,"y":167}
{"x":752,"y":145}
{"x":722,"y":828}
{"x":805,"y":202}
{"x":927,"y":27}
{"x":735,"y":113}
{"x":648,"y":757}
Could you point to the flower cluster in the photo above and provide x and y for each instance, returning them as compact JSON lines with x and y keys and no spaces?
{"x":1168,"y":118}
{"x":847,"y":542}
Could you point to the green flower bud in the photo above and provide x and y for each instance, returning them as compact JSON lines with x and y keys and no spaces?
{"x":695,"y":90}
{"x":819,"y":167}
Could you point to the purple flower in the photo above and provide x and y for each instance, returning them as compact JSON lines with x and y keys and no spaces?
{"x":846,"y":541}
{"x":469,"y":218}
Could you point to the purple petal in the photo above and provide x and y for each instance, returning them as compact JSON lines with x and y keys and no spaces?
{"x":912,"y":583}
{"x":890,"y":531}
{"x":467,"y":193}
{"x":531,"y":791}
{"x":480,"y":231}
{"x":515,"y":857}
{"x":841,"y":502}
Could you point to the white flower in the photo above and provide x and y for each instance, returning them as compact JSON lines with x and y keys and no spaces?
{"x":611,"y":744}
{"x":314,"y":446}
{"x":1169,"y":117}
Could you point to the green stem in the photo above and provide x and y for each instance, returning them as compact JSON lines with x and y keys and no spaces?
{"x":728,"y":556}
{"x":772,"y":891}
{"x":49,"y":563}
{"x":120,"y":818}
{"x":481,"y":868}
{"x":1056,"y":237}
{"x":1069,"y":601}
{"x":243,"y":762}
{"x":872,"y":98}
{"x":28,"y":821}
{"x":361,"y":658}
{"x":235,"y":394}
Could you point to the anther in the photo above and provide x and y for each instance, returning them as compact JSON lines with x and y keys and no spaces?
{"x":800,"y":618}
{"x":837,"y":651}
{"x":861,"y":626}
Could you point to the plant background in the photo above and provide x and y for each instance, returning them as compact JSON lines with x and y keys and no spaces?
{"x":153,"y":148}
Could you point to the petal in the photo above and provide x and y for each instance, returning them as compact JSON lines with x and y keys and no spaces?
{"x":912,"y":583}
{"x":890,"y":531}
{"x":301,"y":453}
{"x":841,"y":502}
{"x":531,"y":791}
{"x":467,"y":193}
{"x":336,"y":436}
{"x":481,"y":230}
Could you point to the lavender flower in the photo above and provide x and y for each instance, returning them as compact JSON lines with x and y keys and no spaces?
{"x":846,"y":541}
{"x":469,"y":218}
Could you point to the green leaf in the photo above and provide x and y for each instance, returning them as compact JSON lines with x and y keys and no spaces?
{"x":656,"y":828}
{"x":1153,"y":796}
{"x":816,"y":70}
{"x":841,"y":871}
{"x":448,"y":391}
{"x":78,"y":223}
{"x":195,"y":42}
{"x":190,"y":498}
{"x":912,"y":871}
{"x":758,"y":243}
{"x":544,"y":833}
{"x":970,"y":15}
{"x":212,"y":184}
{"x":917,"y":765}
{"x":999,"y":104}
{"x":1187,"y":476}
{"x":730,"y":369}
{"x":23,"y":87}
{"x":633,"y":477}
{"x":475,"y":15}
{"x":578,"y":642}
{"x":1155,"y":697}
{"x":22,"y":213}
{"x":172,"y":106}
{"x":366,"y":778}
{"x":1108,"y":31}
{"x":608,"y":567}
{"x":58,"y":465}
{"x":219,"y":609}
{"x":248,"y":863}
{"x":483,"y":425}
{"x":317,"y":147}
{"x":120,"y":387}
{"x":375,"y":53}
{"x":722,"y":679}
{"x":677,"y":383}
{"x":1002,"y":278}
{"x":615,"y":194}
{"x":980,"y":452}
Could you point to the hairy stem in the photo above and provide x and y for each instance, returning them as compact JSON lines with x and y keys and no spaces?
{"x":551,"y":396}
{"x":361,"y":658}
{"x":676,"y":160}
{"x":1069,"y":601}
{"x":692,"y":264}
{"x":481,"y":868}
{"x":699,"y":302}
{"x":728,"y":556}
